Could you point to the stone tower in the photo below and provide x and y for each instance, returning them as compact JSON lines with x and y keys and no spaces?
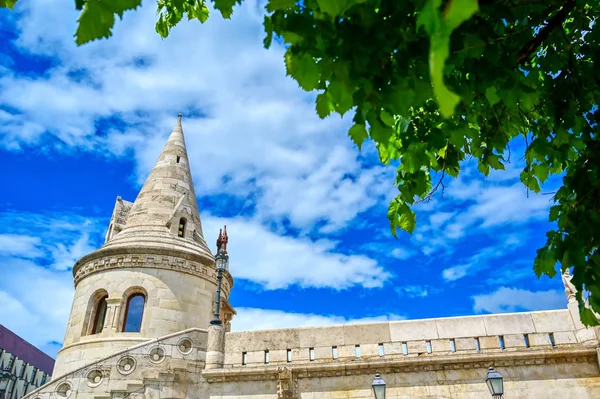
{"x":153,"y":276}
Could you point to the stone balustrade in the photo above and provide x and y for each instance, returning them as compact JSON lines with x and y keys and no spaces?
{"x":411,"y":338}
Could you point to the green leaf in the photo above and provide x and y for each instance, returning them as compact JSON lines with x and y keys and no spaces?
{"x":459,"y":11}
{"x":324,"y":106}
{"x":98,"y":18}
{"x":544,"y":262}
{"x":530,"y":182}
{"x":387,"y":118}
{"x":484,"y":168}
{"x":334,"y":7}
{"x":381,"y":133}
{"x":304,"y":69}
{"x":274,"y":5}
{"x":358,"y":134}
{"x":588,"y":318}
{"x":341,"y":96}
{"x":494,"y":161}
{"x":400,"y":215}
{"x":268,"y":24}
{"x":554,"y":213}
{"x":439,"y":30}
{"x":490,"y":94}
{"x":226,"y":7}
{"x":10,"y":4}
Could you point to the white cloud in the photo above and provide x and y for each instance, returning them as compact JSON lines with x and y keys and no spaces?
{"x":20,"y":245}
{"x":248,"y":319}
{"x":35,"y":302}
{"x":415,"y":291}
{"x":258,"y":134}
{"x":402,"y":253}
{"x":515,"y":299}
{"x":456,"y":272}
{"x":276,"y":262}
{"x":482,"y":259}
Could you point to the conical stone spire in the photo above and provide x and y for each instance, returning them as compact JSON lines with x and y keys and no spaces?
{"x":165,"y":212}
{"x":168,"y":190}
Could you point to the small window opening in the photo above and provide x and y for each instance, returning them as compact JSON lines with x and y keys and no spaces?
{"x":267,"y":357}
{"x":477,"y":347}
{"x":428,"y":345}
{"x":526,"y":340}
{"x":289,"y":355}
{"x":501,"y":341}
{"x":334,"y":352}
{"x":100,"y":315}
{"x":311,"y":354}
{"x":178,"y":158}
{"x":357,"y":351}
{"x":551,"y":337}
{"x":181,"y":231}
{"x":134,"y":312}
{"x":452,"y":346}
{"x":244,"y":358}
{"x":381,"y":350}
{"x":404,"y":348}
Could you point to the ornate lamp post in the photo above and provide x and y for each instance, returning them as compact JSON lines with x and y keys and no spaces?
{"x":495,"y":383}
{"x":5,"y":378}
{"x":222,"y":263}
{"x":379,"y":386}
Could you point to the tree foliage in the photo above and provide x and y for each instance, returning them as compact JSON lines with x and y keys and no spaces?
{"x":433,"y":82}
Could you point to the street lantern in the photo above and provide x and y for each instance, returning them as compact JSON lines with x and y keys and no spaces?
{"x":495,"y":383}
{"x":221,"y":264}
{"x":221,"y":260}
{"x":379,"y":386}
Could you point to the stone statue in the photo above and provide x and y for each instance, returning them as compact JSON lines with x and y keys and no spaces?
{"x":570,"y":289}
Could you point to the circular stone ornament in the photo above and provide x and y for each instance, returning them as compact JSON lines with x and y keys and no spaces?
{"x":185,"y":346}
{"x":126,"y":365}
{"x":94,"y":378}
{"x":64,"y":390}
{"x":157,"y":354}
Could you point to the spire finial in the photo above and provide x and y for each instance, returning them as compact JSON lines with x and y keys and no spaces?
{"x":179,"y":116}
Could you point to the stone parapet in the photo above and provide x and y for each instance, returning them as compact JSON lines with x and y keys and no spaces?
{"x":477,"y":335}
{"x":147,"y":366}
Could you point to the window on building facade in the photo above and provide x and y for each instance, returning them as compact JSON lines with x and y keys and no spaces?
{"x":100,"y":315}
{"x":134,"y":312}
{"x":181,"y":231}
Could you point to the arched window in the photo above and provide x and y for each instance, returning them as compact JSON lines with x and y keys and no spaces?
{"x":99,"y":315}
{"x":181,"y":232}
{"x":134,"y":312}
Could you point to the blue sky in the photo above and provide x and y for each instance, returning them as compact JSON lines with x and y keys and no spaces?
{"x":305,"y":210}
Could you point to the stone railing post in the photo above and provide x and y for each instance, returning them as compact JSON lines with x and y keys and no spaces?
{"x":215,"y":355}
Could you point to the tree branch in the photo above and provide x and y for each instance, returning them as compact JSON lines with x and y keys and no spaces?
{"x":556,"y":20}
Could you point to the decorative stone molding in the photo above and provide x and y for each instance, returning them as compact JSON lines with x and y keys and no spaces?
{"x":157,"y":354}
{"x":407,"y":365}
{"x":166,"y":262}
{"x":287,"y":385}
{"x":64,"y":390}
{"x":94,"y":378}
{"x":126,"y":365}
{"x":185,"y":346}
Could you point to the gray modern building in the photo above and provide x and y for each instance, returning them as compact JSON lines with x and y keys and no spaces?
{"x":23,"y":367}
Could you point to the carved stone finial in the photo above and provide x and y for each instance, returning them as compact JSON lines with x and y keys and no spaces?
{"x":570,"y":289}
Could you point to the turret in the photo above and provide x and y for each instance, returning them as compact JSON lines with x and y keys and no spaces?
{"x":154,"y":275}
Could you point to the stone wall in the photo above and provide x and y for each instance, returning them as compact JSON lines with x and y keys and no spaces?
{"x":429,"y":337}
{"x":174,"y":302}
{"x":169,"y":367}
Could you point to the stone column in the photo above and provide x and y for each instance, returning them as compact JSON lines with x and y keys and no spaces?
{"x":215,"y":347}
{"x":113,"y":312}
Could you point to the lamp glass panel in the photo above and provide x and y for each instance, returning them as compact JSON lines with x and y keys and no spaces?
{"x":379,"y":391}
